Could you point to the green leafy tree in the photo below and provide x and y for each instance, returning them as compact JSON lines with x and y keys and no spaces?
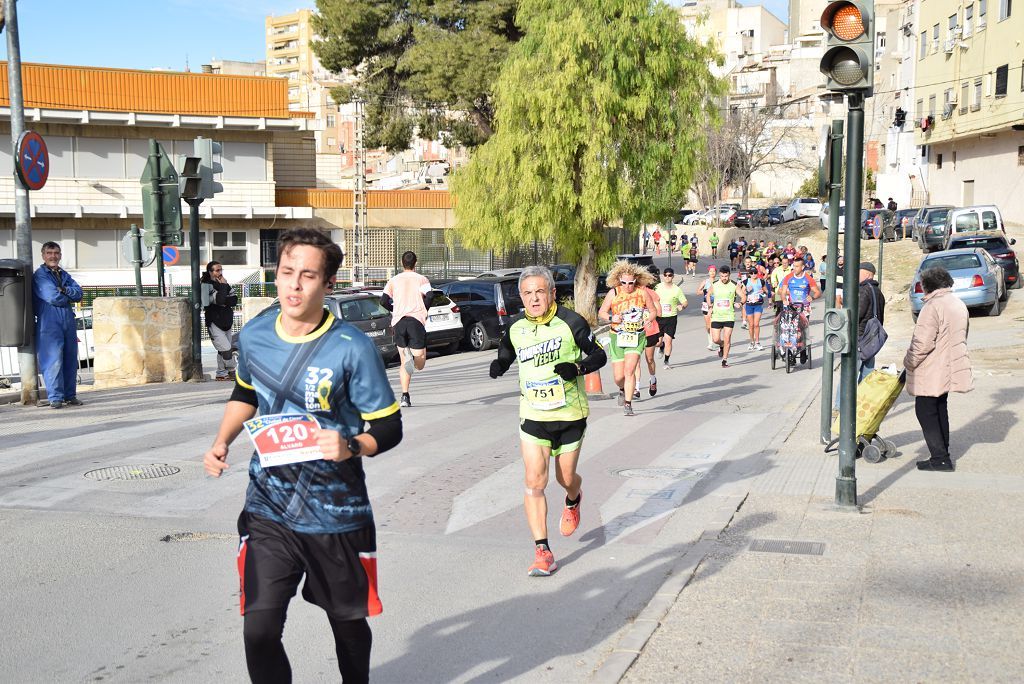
{"x":600,"y":116}
{"x":422,"y":66}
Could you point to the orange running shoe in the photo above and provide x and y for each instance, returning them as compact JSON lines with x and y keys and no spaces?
{"x":571,"y":518}
{"x":543,"y":563}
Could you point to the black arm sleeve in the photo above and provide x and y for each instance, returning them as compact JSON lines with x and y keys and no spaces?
{"x":387,"y":302}
{"x":594,"y":356}
{"x":244,"y":395}
{"x":506,"y":352}
{"x":387,"y":431}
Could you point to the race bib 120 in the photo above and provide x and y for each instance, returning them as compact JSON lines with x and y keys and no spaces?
{"x":283,"y":438}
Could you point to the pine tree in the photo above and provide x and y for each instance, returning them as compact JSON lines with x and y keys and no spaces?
{"x":600,"y":116}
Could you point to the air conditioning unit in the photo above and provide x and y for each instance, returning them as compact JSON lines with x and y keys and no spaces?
{"x":949,"y":45}
{"x":947,"y":110}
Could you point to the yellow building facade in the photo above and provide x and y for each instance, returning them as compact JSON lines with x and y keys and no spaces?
{"x":969,"y":102}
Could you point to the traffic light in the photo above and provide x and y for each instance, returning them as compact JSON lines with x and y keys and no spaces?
{"x":848,"y":64}
{"x":207,"y":151}
{"x":189,"y":180}
{"x":837,"y":330}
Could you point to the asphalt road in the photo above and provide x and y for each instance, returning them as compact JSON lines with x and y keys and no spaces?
{"x":136,"y":580}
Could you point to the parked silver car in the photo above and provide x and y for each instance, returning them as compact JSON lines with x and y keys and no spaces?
{"x":978,"y":281}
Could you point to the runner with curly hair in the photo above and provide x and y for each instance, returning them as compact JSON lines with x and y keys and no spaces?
{"x":628,"y":306}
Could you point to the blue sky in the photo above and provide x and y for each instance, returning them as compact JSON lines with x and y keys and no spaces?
{"x":161,"y":34}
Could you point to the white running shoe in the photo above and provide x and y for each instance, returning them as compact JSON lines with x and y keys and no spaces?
{"x":758,"y":347}
{"x":744,"y":325}
{"x":750,"y":347}
{"x":712,"y":347}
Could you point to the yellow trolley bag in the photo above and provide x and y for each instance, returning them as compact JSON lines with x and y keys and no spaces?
{"x":875,"y":396}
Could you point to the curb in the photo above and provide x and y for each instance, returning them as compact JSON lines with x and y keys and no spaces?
{"x":631,"y":644}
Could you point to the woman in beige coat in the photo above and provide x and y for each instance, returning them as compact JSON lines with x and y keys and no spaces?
{"x":937,"y":363}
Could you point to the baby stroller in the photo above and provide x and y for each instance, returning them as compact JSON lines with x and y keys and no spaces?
{"x":790,"y":338}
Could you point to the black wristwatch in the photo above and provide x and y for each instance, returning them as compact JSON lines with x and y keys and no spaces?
{"x":354,"y":446}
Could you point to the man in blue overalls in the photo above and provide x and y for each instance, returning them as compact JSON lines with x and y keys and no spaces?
{"x":53,"y":292}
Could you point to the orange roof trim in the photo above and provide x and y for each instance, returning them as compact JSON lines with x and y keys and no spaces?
{"x":54,"y":86}
{"x":375,"y":199}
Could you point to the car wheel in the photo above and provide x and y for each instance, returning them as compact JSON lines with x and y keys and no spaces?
{"x":478,"y":338}
{"x":1006,"y":293}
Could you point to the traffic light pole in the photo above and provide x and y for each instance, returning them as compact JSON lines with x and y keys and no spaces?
{"x":197,"y":300}
{"x":846,"y":480}
{"x":22,"y":212}
{"x":158,"y":215}
{"x":832,"y":251}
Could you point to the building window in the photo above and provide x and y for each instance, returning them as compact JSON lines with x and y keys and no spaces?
{"x":919,"y":112}
{"x":331,"y":142}
{"x":953,"y":21}
{"x":982,"y":9}
{"x":931,"y":106}
{"x":229,"y":247}
{"x":968,"y":19}
{"x":332,"y":121}
{"x":97,"y":248}
{"x":976,"y":105}
{"x":244,"y":161}
{"x":1002,"y":80}
{"x":924,"y":45}
{"x":935,"y":38}
{"x":964,"y":92}
{"x":881,"y":41}
{"x":1005,"y":7}
{"x":938,"y":161}
{"x":99,"y":158}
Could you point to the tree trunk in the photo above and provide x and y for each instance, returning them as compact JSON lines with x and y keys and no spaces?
{"x":746,"y":193}
{"x":585,"y":284}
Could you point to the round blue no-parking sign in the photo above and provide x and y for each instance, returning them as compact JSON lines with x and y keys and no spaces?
{"x":33,"y":160}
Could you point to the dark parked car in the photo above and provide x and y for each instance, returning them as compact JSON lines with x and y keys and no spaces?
{"x":645,"y":260}
{"x":772,"y":216}
{"x":929,"y":227}
{"x":901,"y":223}
{"x":867,"y":219}
{"x":487,"y":305}
{"x":995,"y":243}
{"x":565,"y":282}
{"x":363,"y":310}
{"x":742,"y":218}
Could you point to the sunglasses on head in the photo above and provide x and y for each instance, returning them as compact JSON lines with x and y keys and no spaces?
{"x":627,"y":282}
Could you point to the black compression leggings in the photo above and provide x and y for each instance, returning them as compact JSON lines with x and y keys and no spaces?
{"x":268,"y":663}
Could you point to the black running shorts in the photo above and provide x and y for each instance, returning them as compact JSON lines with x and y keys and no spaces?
{"x":722,"y":324}
{"x":560,"y":435}
{"x":410,"y":334}
{"x":340,"y":569}
{"x":667,"y":325}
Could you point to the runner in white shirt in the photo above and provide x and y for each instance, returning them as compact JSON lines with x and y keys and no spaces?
{"x":404,"y":297}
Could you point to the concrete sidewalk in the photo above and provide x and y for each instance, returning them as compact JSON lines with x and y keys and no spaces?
{"x":925,"y":583}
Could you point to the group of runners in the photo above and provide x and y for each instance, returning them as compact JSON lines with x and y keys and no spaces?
{"x":319,"y":382}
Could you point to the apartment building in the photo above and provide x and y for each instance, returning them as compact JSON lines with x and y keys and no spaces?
{"x":97,"y":123}
{"x":969,"y":102}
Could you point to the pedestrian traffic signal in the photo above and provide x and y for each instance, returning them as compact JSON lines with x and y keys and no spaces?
{"x":837,"y":331}
{"x":208,"y":152}
{"x":189,"y":180}
{"x":848,"y":64}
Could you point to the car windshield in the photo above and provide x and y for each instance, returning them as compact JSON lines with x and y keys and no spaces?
{"x":937,"y":216}
{"x":774,"y":211}
{"x":989,"y":243}
{"x":952,"y":262}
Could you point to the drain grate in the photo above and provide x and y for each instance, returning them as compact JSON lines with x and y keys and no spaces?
{"x":148,"y":471}
{"x":657,"y":473}
{"x":802,"y":548}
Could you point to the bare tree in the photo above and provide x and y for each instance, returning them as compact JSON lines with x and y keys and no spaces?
{"x":764,"y":138}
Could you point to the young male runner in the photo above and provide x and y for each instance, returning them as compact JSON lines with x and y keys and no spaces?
{"x":705,"y":306}
{"x":555,"y":349}
{"x":672,"y":302}
{"x":714,"y":245}
{"x":404,"y":296}
{"x":721,"y":298}
{"x":311,"y":518}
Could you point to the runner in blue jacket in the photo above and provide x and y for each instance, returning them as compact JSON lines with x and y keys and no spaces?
{"x":53,"y":293}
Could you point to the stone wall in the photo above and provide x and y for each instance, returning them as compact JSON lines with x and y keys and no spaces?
{"x":140,"y":340}
{"x":253,"y":305}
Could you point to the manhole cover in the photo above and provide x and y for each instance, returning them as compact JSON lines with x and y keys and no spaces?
{"x":133,"y":472}
{"x":802,"y":548}
{"x":657,"y":473}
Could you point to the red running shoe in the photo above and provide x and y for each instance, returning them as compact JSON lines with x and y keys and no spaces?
{"x":543,"y":564}
{"x":570,"y":518}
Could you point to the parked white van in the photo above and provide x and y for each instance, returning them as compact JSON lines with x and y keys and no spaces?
{"x":973,"y":219}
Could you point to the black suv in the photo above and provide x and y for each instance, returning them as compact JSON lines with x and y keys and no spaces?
{"x":995,"y":243}
{"x":488,"y":307}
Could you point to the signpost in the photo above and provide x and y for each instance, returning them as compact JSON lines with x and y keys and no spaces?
{"x":33,"y":160}
{"x":134,"y":250}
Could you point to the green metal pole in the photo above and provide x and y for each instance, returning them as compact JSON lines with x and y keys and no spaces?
{"x":846,"y":481}
{"x":193,"y":251}
{"x":834,"y":210}
{"x":158,"y":213}
{"x":137,"y":258}
{"x":881,"y":250}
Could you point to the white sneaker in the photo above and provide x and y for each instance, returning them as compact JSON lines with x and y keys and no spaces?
{"x":409,"y":363}
{"x":758,"y":347}
{"x":666,"y":366}
{"x":750,"y":347}
{"x":744,"y":325}
{"x":712,"y":347}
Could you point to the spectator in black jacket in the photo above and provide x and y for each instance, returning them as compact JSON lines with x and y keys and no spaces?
{"x":219,"y":300}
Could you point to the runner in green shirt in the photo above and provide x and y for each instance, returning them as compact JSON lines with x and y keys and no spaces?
{"x":714,"y":245}
{"x":672,"y":302}
{"x":722,"y":298}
